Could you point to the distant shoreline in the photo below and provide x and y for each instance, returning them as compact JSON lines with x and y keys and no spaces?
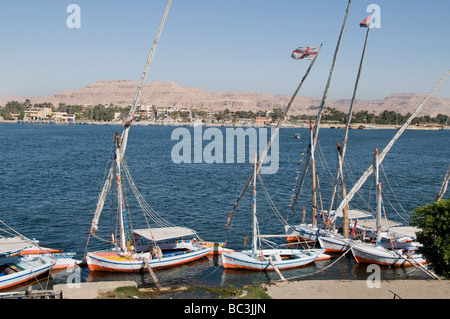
{"x":302,"y":125}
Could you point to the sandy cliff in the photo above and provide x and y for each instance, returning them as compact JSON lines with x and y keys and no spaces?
{"x":121,"y":93}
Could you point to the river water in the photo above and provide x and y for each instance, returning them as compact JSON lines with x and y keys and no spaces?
{"x":51,"y":175}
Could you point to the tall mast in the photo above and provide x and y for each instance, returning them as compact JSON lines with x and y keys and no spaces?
{"x":313,"y":183}
{"x":381,"y":156}
{"x":342,"y":149}
{"x":127,"y":124}
{"x":122,"y":217}
{"x":344,"y":190}
{"x":319,"y":114}
{"x":255,"y":221}
{"x":378,"y":194}
{"x":263,"y":155}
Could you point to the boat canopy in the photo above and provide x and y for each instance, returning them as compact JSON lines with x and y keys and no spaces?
{"x":353,"y":214}
{"x":10,"y":245}
{"x":164,"y":233}
{"x":371,"y":223}
{"x":407,"y":231}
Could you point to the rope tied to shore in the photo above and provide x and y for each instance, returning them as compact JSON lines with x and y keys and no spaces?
{"x":320,"y":270}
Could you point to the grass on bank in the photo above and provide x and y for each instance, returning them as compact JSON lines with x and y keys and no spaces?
{"x":230,"y":292}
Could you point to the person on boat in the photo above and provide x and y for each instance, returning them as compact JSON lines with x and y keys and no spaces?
{"x":156,"y":252}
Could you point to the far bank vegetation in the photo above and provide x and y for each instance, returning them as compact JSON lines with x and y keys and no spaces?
{"x":15,"y":110}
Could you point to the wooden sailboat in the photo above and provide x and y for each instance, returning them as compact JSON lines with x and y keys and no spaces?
{"x":15,"y":268}
{"x":162,"y":246}
{"x":378,"y":254}
{"x":269,"y":259}
{"x":265,"y":259}
{"x":402,"y":236}
{"x":154,"y":245}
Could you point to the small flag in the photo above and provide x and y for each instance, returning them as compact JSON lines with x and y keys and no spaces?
{"x":307,"y":53}
{"x":366,"y":23}
{"x":354,"y":228}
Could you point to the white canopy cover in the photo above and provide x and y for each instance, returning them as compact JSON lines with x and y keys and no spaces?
{"x":164,"y":233}
{"x":13,"y":244}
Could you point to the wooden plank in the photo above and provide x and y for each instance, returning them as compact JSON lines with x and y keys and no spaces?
{"x":150,"y":270}
{"x":277,"y":270}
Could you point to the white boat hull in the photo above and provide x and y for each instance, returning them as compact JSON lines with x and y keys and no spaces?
{"x":117,"y":262}
{"x":339,"y":244}
{"x":372,"y":254}
{"x":24,"y":268}
{"x":304,"y":232}
{"x":281,"y":258}
{"x":335,"y":244}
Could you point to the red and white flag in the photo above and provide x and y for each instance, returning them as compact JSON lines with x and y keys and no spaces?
{"x":366,"y":22}
{"x":306,"y":53}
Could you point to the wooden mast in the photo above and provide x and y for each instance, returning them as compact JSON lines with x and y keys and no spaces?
{"x":319,"y":114}
{"x":378,"y":216}
{"x":122,"y":216}
{"x":313,"y":182}
{"x":255,"y":221}
{"x":126,"y":125}
{"x":342,"y":148}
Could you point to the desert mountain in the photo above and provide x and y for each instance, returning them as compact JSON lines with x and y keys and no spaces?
{"x":121,"y":93}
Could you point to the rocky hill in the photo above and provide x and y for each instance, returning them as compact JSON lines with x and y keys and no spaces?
{"x":121,"y":93}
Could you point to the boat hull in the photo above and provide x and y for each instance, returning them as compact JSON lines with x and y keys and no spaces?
{"x":371,"y":254}
{"x":303,"y":232}
{"x":114,"y":261}
{"x":293,"y":258}
{"x":23,"y":269}
{"x":334,"y":244}
{"x":216,"y":248}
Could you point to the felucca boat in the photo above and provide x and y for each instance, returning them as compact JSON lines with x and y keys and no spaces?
{"x":376,"y":253}
{"x":395,"y":238}
{"x":16,"y":269}
{"x":161,"y":244}
{"x":265,"y":259}
{"x":271,"y":259}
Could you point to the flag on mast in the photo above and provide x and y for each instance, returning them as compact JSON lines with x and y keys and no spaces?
{"x":305,"y":53}
{"x":366,"y":22}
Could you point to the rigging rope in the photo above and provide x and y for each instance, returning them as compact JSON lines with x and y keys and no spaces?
{"x":14,"y":232}
{"x":271,"y":203}
{"x":320,"y":270}
{"x":390,"y":187}
{"x":352,"y":179}
{"x":146,"y":208}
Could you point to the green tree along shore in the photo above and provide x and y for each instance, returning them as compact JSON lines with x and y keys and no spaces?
{"x":96,"y":113}
{"x":101,"y":113}
{"x":434,"y":222}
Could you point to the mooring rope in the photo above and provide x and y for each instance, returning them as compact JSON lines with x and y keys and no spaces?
{"x":320,"y":270}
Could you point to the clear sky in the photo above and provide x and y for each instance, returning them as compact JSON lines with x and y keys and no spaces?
{"x":232,"y":45}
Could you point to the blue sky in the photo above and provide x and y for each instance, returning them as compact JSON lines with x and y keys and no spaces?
{"x":228,"y":45}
